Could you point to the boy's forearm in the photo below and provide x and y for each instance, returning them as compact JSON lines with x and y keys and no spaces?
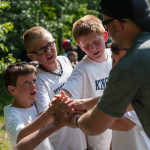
{"x":86,"y":104}
{"x":92,"y":102}
{"x":122,"y":124}
{"x":34,"y":139}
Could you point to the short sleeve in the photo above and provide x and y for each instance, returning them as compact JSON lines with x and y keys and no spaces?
{"x":131,"y":115}
{"x":121,"y":89}
{"x":13,"y":125}
{"x":75,"y":83}
{"x":42,"y":98}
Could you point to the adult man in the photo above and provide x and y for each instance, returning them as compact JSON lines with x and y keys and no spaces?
{"x":128,"y":23}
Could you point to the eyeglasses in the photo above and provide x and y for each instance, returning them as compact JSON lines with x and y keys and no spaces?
{"x":44,"y":49}
{"x":106,"y":22}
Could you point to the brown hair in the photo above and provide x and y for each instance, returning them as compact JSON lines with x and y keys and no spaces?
{"x":32,"y":34}
{"x":87,"y":24}
{"x":72,"y":53}
{"x":115,"y":49}
{"x":14,"y":70}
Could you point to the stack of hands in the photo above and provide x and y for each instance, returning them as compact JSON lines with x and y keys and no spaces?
{"x":66,"y":110}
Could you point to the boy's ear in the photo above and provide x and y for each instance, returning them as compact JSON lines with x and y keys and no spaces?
{"x":31,"y":56}
{"x":11,"y":89}
{"x":80,"y":46}
{"x":106,"y":36}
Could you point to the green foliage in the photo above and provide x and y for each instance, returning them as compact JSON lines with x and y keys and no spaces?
{"x":61,"y":15}
{"x":5,"y":56}
{"x":57,"y":16}
{"x":17,"y":16}
{"x":4,"y":142}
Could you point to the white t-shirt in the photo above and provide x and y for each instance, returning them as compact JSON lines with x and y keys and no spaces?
{"x":16,"y":119}
{"x":88,"y":79}
{"x":134,"y":139}
{"x":49,"y":85}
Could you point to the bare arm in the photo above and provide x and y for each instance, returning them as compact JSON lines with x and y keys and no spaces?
{"x":86,"y":104}
{"x":93,"y":122}
{"x":83,"y":104}
{"x":38,"y":122}
{"x":122,"y":124}
{"x":35,"y":138}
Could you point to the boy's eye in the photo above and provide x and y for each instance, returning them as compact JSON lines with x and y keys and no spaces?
{"x":113,"y":60}
{"x":26,"y":82}
{"x":96,"y":42}
{"x":86,"y":47}
{"x":34,"y":80}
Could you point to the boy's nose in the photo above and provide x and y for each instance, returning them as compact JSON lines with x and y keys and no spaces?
{"x":33,"y":84}
{"x":93,"y":46}
{"x":48,"y":50}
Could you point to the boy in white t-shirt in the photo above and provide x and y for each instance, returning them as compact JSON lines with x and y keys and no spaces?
{"x":20,"y":116}
{"x":89,"y":77}
{"x":127,"y":132}
{"x":52,"y":73}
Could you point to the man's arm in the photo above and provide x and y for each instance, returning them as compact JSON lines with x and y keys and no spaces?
{"x":93,"y":122}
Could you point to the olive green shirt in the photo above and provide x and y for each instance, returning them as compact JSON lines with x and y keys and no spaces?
{"x":129,"y":82}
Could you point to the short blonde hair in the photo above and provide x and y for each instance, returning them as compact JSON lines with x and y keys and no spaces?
{"x":32,"y":34}
{"x":87,"y":24}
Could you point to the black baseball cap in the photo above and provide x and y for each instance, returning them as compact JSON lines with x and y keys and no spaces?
{"x":136,"y":10}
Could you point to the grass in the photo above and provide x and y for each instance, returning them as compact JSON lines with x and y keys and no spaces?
{"x":4,"y":142}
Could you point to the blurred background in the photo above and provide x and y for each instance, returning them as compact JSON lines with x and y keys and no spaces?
{"x":16,"y":16}
{"x":57,"y":16}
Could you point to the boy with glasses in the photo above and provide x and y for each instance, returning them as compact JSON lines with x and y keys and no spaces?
{"x":89,"y":77}
{"x":52,"y":73}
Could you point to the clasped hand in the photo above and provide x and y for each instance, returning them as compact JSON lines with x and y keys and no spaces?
{"x":66,"y":110}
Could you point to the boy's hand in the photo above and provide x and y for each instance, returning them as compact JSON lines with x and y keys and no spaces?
{"x":55,"y":102}
{"x":59,"y":97}
{"x":63,"y":112}
{"x":73,"y":122}
{"x":80,"y":105}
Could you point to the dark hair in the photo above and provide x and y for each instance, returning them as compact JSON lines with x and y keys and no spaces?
{"x":72,"y":53}
{"x":14,"y":70}
{"x":115,"y":49}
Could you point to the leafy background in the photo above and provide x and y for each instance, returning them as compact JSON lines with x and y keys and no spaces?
{"x":17,"y":16}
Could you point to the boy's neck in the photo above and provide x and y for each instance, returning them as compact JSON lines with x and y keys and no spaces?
{"x":19,"y":105}
{"x":52,"y":67}
{"x":104,"y":57}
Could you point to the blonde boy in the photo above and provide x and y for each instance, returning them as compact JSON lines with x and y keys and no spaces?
{"x":91,"y":74}
{"x":52,"y":73}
